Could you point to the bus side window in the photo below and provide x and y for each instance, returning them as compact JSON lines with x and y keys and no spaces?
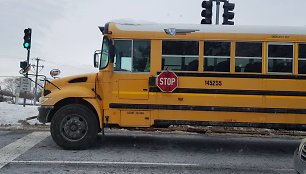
{"x":141,"y":55}
{"x":123,"y":55}
{"x":248,"y":57}
{"x":302,"y":58}
{"x":217,"y":56}
{"x":132,"y":56}
{"x":280,"y":57}
{"x":180,"y":55}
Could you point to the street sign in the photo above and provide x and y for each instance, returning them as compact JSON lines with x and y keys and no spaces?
{"x":25,"y":84}
{"x":167,"y":81}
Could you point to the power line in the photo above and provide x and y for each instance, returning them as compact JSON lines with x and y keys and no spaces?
{"x":65,"y":65}
{"x":9,"y":76}
{"x":3,"y":56}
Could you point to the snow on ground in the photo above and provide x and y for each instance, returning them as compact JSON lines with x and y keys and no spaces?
{"x":11,"y":114}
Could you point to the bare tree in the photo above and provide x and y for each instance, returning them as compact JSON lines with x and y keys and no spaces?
{"x":9,"y":85}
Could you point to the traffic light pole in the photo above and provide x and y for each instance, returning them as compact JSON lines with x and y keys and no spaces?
{"x":217,"y":12}
{"x":218,"y":2}
{"x":25,"y":92}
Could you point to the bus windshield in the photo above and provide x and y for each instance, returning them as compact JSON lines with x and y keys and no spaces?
{"x":104,"y":53}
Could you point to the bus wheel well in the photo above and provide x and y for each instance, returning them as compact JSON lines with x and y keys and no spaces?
{"x":74,"y":100}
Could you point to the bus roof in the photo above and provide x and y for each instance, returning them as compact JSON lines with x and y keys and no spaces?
{"x":200,"y":28}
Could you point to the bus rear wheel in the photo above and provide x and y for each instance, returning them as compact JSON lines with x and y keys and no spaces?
{"x":74,"y":126}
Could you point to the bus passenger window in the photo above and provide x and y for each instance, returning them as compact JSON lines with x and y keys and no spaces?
{"x":302,"y":58}
{"x":280,"y":57}
{"x":132,"y":55}
{"x":180,"y":55}
{"x":248,"y":57}
{"x":141,"y":55}
{"x":217,"y":56}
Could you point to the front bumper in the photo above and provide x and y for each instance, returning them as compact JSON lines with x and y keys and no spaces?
{"x":43,"y":114}
{"x":299,"y":165}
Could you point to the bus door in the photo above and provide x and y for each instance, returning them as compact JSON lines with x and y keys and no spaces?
{"x":132,"y":68}
{"x":131,"y":78}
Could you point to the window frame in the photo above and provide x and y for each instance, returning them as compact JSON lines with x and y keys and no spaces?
{"x":132,"y":56}
{"x":300,"y":58}
{"x":180,"y":56}
{"x":280,"y":58}
{"x":257,"y":58}
{"x":216,"y":57}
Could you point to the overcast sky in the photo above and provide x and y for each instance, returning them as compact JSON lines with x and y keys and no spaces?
{"x":65,"y":33}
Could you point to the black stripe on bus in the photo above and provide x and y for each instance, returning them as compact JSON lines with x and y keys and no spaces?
{"x":227,"y":75}
{"x":300,"y":127}
{"x":233,"y":92}
{"x":208,"y":108}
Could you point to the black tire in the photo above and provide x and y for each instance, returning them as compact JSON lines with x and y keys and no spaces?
{"x":74,"y":127}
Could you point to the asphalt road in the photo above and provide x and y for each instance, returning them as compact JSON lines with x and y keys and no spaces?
{"x":122,"y":151}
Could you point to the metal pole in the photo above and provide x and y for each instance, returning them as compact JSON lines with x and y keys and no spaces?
{"x":25,"y":92}
{"x":36,"y":76}
{"x":217,"y":12}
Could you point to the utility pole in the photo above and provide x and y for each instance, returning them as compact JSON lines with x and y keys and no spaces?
{"x":36,"y":76}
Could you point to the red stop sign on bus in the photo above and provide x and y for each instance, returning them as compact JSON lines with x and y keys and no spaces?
{"x":167,"y":81}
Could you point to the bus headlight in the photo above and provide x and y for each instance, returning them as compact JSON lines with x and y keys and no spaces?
{"x":42,"y":100}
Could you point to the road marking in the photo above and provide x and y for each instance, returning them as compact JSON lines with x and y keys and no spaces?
{"x":289,"y":170}
{"x":20,"y":146}
{"x":108,"y":163}
{"x":140,"y":164}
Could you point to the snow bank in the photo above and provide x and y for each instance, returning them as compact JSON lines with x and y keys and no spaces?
{"x":10,"y":114}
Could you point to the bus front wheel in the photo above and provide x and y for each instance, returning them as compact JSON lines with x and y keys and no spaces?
{"x":74,"y":127}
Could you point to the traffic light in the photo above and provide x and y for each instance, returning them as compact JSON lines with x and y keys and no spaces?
{"x":27,"y":38}
{"x":228,"y":14}
{"x":207,"y":12}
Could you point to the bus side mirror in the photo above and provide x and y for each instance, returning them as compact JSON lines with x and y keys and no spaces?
{"x":55,"y":72}
{"x":97,"y":56}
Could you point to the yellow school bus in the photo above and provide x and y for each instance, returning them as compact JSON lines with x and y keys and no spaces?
{"x":226,"y":76}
